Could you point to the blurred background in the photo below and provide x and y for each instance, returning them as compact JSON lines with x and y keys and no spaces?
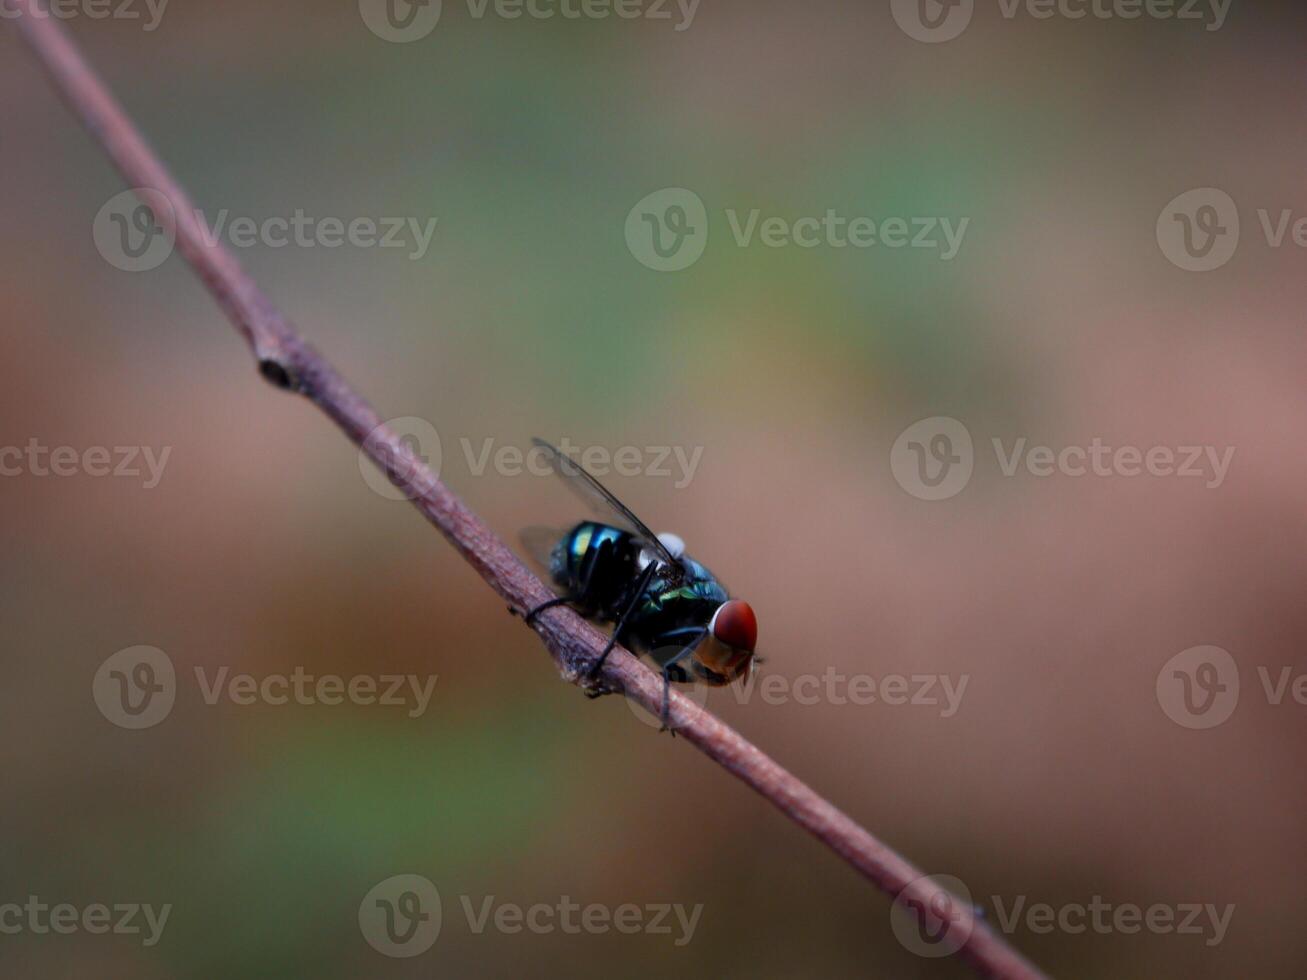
{"x":1072,"y":768}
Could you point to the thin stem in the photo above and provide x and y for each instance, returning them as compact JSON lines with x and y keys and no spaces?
{"x":286,"y":361}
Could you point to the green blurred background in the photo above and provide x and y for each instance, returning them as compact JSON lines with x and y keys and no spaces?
{"x":263,"y":549}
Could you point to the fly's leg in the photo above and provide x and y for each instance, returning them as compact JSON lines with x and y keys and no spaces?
{"x":582,"y":593}
{"x":680,"y":644}
{"x":637,"y":594}
{"x":673,"y":671}
{"x":531,"y":614}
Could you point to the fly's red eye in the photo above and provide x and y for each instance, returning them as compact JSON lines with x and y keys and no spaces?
{"x":736,"y":625}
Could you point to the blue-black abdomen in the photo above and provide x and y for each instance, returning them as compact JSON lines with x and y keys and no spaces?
{"x":597,"y":562}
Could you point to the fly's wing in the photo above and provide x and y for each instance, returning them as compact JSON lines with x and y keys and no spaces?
{"x":539,"y":543}
{"x":604,"y":503}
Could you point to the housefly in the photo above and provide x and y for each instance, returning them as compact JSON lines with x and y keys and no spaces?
{"x":662,"y":603}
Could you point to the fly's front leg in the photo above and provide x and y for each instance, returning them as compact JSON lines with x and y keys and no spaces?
{"x":673,"y":648}
{"x":673,"y":671}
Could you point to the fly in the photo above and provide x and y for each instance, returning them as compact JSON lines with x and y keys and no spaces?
{"x":662,"y":603}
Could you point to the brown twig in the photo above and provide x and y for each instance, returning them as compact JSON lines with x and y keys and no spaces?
{"x":286,"y":361}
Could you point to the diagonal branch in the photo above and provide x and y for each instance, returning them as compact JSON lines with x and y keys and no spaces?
{"x":287,"y":362}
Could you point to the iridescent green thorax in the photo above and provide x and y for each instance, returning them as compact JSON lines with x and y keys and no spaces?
{"x":672,"y":606}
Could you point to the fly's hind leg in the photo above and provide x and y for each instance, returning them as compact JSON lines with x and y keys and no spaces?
{"x":529,"y":617}
{"x":579,"y":601}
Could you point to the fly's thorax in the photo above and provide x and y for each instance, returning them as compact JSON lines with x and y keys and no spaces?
{"x":671,"y":607}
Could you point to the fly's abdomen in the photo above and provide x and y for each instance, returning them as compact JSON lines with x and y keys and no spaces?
{"x":596,"y":564}
{"x":574,"y":552}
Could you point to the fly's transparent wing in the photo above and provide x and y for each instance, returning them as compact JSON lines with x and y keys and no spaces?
{"x":539,"y":543}
{"x":602,"y":502}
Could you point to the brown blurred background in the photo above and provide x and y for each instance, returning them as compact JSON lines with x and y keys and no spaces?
{"x":262,"y":549}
